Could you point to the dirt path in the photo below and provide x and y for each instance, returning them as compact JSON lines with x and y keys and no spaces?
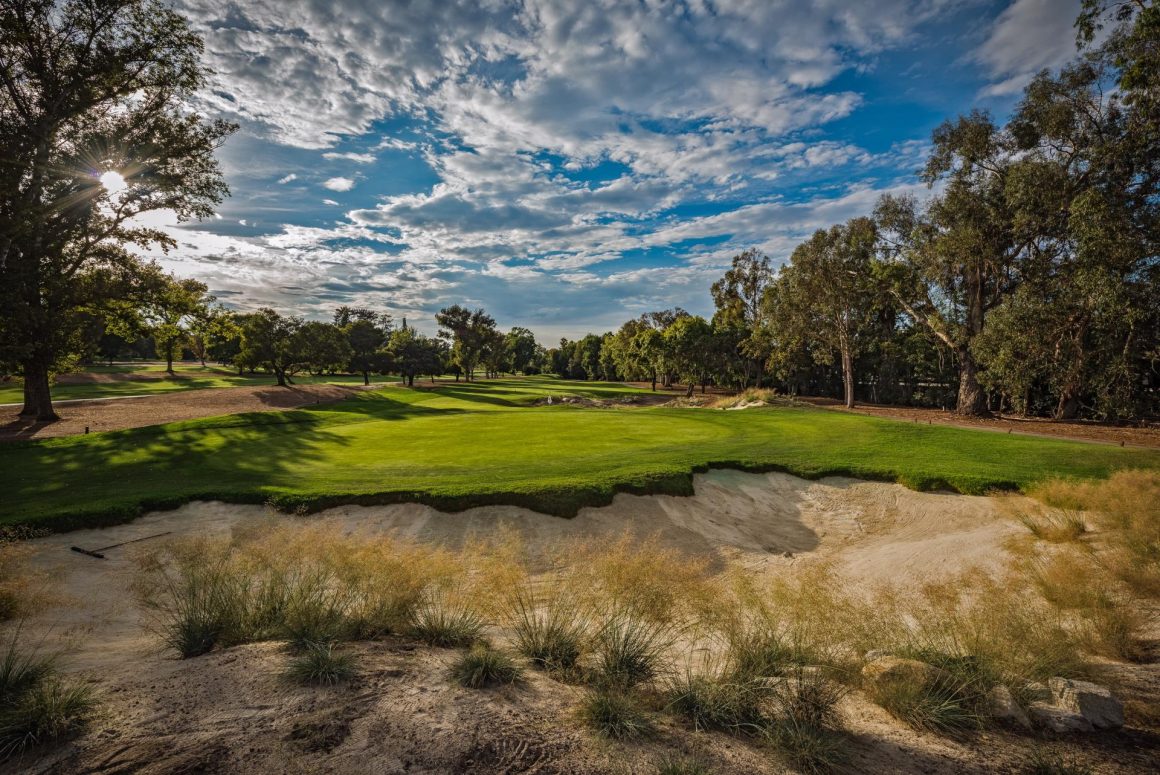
{"x":135,"y":412}
{"x":1030,"y":426}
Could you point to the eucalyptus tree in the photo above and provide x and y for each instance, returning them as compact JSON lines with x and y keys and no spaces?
{"x":827,"y":295}
{"x":94,"y":99}
{"x":738,"y":297}
{"x":955,"y":259}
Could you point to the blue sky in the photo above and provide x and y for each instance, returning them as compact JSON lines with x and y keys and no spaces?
{"x":568,"y":165}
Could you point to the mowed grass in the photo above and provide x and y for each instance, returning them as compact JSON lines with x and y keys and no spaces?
{"x":460,"y":445}
{"x":153,"y":379}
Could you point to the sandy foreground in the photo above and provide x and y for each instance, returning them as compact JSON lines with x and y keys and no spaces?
{"x":231,"y":711}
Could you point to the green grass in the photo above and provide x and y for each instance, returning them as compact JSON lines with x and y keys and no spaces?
{"x":149,"y":378}
{"x":461,"y":445}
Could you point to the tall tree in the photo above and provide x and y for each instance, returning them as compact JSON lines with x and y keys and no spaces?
{"x":366,"y":333}
{"x":269,"y":340}
{"x":521,"y":347}
{"x":320,"y":347}
{"x":828,"y":291}
{"x":738,"y":297}
{"x":469,"y":333}
{"x":172,"y":312}
{"x":954,"y":260}
{"x":93,"y":101}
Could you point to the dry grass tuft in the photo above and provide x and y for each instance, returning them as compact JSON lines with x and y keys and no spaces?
{"x":1059,"y":527}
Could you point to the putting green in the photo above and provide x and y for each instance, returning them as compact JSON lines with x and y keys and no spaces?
{"x":460,"y":445}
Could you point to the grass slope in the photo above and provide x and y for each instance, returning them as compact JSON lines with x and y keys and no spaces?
{"x":461,"y":445}
{"x":155,"y":380}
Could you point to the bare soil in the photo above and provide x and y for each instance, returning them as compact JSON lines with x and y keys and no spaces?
{"x":1080,"y":430}
{"x":119,"y":413}
{"x":231,"y":711}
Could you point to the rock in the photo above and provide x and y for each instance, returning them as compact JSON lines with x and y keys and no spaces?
{"x":1057,"y":719}
{"x":1003,"y":708}
{"x":888,"y":670}
{"x":1092,"y":701}
{"x":1037,"y":692}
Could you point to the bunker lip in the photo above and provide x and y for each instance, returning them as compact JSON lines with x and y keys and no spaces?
{"x":556,"y":502}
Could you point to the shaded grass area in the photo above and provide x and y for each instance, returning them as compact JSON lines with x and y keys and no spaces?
{"x":153,"y":380}
{"x":462,"y":445}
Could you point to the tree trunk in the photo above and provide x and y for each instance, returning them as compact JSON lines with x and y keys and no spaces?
{"x":972,"y":400}
{"x":848,"y":377}
{"x":1067,"y":408}
{"x":654,"y":382}
{"x":37,"y":394}
{"x":689,"y":389}
{"x":169,"y":359}
{"x":366,"y":378}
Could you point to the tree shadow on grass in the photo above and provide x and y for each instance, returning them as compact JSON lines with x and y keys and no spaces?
{"x":87,"y":481}
{"x":376,"y":406}
{"x":475,"y":393}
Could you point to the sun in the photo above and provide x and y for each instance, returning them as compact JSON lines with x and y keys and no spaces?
{"x":113,"y":182}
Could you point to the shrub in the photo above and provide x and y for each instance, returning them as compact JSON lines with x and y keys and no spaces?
{"x":440,"y":622}
{"x":196,"y":593}
{"x":943,"y":704}
{"x":484,"y":666}
{"x":550,"y":634}
{"x":314,"y":610}
{"x":630,"y":651}
{"x":714,"y":700}
{"x":321,"y":664}
{"x":36,"y":706}
{"x":808,"y":699}
{"x":809,"y":748}
{"x":614,"y":714}
{"x":1062,"y":527}
{"x":760,"y":651}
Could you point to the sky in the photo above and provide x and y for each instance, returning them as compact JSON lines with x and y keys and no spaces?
{"x":570,"y":164}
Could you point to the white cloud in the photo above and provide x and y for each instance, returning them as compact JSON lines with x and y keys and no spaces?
{"x":1028,"y":36}
{"x":357,"y":158}
{"x":339,"y":184}
{"x":288,"y":179}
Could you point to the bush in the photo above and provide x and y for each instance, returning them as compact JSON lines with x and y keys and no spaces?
{"x":197,"y":596}
{"x":760,"y":651}
{"x":809,"y":748}
{"x":944,"y":704}
{"x":1062,"y":527}
{"x":630,"y":651}
{"x":615,"y":715}
{"x":36,"y":706}
{"x":484,"y":666}
{"x":808,"y":699}
{"x":711,"y":700}
{"x":551,"y":635}
{"x":439,"y":622}
{"x":321,"y":664}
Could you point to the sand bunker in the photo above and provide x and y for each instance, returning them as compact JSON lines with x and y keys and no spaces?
{"x":230,"y":709}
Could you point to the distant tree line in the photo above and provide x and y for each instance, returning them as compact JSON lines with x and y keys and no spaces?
{"x":1028,"y":281}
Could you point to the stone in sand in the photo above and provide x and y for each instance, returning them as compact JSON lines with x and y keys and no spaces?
{"x":1003,"y":708}
{"x":1092,"y":701}
{"x":1058,"y":720}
